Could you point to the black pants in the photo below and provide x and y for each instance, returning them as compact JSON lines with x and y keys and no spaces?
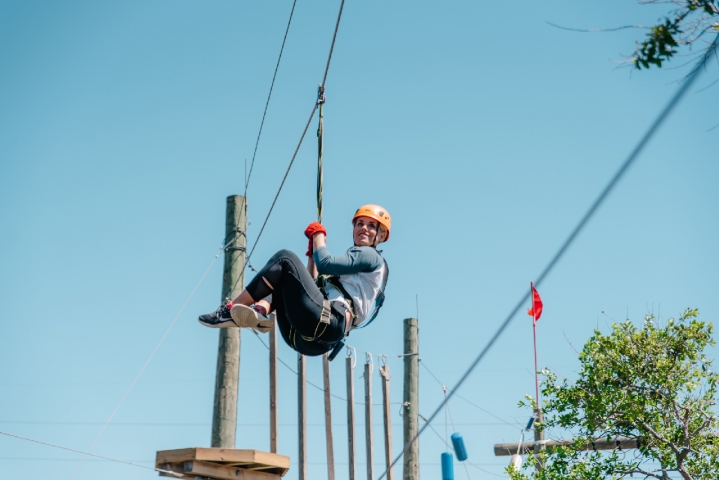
{"x":298,"y":303}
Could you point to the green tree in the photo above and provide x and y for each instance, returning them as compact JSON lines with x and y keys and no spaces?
{"x":654,"y":383}
{"x":686,"y":26}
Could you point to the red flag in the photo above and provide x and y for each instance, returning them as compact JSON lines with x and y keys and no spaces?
{"x":536,"y":310}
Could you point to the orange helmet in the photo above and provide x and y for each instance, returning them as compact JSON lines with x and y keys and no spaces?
{"x":377,"y":213}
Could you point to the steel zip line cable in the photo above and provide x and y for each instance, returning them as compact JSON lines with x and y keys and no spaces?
{"x":302,"y":137}
{"x":332,"y":46}
{"x":269,"y":95}
{"x":688,"y":82}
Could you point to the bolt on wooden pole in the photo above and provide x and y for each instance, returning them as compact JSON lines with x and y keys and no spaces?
{"x":302,"y":414}
{"x":410,"y":399}
{"x":387,"y":415}
{"x":273,"y":384}
{"x":368,"y":419}
{"x":351,"y":419}
{"x":227,"y":376}
{"x":328,"y":418}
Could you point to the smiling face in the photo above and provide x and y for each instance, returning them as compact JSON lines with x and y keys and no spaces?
{"x":365,"y":232}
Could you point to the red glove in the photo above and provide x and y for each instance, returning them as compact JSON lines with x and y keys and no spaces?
{"x":313,"y":229}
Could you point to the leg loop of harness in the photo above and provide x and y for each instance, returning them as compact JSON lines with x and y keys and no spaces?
{"x":326,"y":312}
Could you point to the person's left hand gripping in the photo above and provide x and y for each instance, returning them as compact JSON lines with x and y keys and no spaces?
{"x":313,"y":229}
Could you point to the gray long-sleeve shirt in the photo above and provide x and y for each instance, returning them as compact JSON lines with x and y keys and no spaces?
{"x":356,"y":260}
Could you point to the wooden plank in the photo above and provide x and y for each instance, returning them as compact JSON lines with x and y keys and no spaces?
{"x":255,"y":458}
{"x":302,"y":414}
{"x":174,"y":456}
{"x":619,"y":443}
{"x":328,"y":418}
{"x":223,"y":472}
{"x":368,"y":419}
{"x":387,"y":416}
{"x":228,"y":455}
{"x":352,"y":460}
{"x":273,"y":384}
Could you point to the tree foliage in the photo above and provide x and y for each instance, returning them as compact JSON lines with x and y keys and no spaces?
{"x":686,"y":26}
{"x":654,"y":383}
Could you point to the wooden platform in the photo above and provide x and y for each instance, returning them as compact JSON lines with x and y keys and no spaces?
{"x":223,"y":463}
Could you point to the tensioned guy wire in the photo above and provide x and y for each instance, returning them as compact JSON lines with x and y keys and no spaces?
{"x":421,"y":362}
{"x":147,"y":362}
{"x":167,"y":472}
{"x":688,"y":82}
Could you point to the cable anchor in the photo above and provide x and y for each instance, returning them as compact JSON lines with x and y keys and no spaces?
{"x":321,"y":98}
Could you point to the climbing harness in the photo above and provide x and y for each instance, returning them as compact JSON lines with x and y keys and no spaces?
{"x":322,"y":280}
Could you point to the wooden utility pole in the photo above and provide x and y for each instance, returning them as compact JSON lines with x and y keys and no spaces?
{"x":351,"y":418}
{"x":227,"y":377}
{"x":302,"y":414}
{"x":387,"y":416}
{"x":328,"y":418}
{"x":273,"y":384}
{"x":410,"y":398}
{"x":368,"y":419}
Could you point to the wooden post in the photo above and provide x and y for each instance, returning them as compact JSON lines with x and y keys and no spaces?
{"x":387,"y":415}
{"x":538,"y":436}
{"x":410,"y":398}
{"x":368,"y":418}
{"x":351,"y":418}
{"x":302,"y":414}
{"x":227,"y":376}
{"x":328,"y":418}
{"x":273,"y":384}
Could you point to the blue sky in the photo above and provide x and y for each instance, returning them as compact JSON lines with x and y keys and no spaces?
{"x":483,"y":130}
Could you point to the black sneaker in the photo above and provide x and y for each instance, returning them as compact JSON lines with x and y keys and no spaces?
{"x":220,"y":318}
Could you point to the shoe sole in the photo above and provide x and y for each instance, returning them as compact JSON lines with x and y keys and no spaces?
{"x":226,"y":324}
{"x":245,"y":317}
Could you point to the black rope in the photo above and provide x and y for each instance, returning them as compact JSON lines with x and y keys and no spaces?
{"x":572,"y":236}
{"x":267,"y":103}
